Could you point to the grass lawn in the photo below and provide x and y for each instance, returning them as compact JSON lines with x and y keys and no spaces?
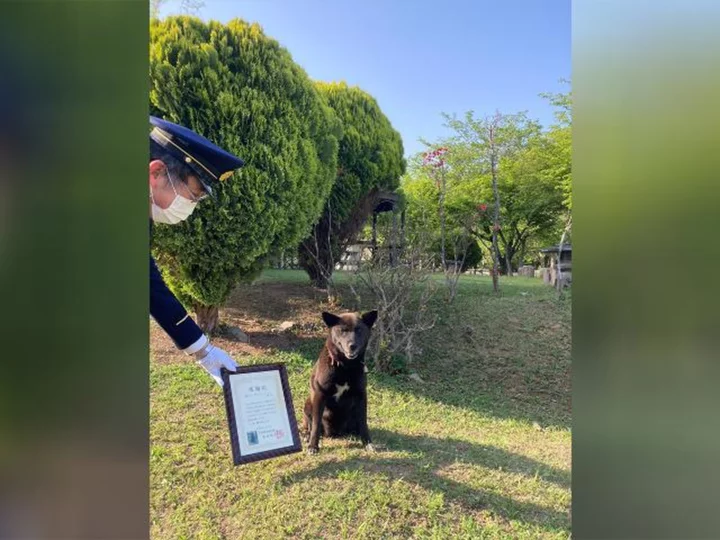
{"x":480,"y":449}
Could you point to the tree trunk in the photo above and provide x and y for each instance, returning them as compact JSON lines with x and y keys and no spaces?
{"x":496,"y":224}
{"x":317,"y":266}
{"x":560,"y":279}
{"x":442,"y":220}
{"x":319,"y":253}
{"x":402,"y":233}
{"x":393,"y":240}
{"x":207,"y":318}
{"x":523,"y":251}
{"x":317,"y":277}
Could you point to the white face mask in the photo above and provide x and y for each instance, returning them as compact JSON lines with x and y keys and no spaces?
{"x":179,"y":210}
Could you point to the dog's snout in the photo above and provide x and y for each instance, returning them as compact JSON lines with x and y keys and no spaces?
{"x":353,"y":347}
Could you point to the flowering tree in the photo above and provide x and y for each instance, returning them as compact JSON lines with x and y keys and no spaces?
{"x":436,"y":163}
{"x":489,"y":146}
{"x":501,"y":182}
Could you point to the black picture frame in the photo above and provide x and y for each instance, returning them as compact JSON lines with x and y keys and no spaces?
{"x":238,"y":458}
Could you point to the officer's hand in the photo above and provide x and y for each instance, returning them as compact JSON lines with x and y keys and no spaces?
{"x":212,"y":359}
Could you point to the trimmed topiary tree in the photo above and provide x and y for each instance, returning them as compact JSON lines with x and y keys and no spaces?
{"x":370,"y":160}
{"x":237,"y":87}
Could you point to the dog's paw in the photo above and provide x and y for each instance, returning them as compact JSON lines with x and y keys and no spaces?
{"x":370,"y":448}
{"x":312,"y":451}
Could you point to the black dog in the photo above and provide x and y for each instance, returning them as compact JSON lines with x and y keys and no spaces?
{"x":338,"y":396}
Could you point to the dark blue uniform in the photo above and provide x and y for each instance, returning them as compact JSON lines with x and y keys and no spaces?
{"x":169,"y":312}
{"x":210,"y":164}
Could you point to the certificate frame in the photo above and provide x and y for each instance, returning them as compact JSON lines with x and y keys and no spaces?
{"x":232,"y":403}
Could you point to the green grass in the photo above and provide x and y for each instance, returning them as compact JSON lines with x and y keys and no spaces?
{"x":481,"y":449}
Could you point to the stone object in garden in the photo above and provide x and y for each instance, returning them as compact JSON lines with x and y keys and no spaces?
{"x":238,"y":335}
{"x":527,"y":271}
{"x":286,"y":325}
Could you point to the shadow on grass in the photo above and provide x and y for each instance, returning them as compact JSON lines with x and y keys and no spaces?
{"x":437,"y":454}
{"x":457,"y":388}
{"x":461,"y":389}
{"x":506,"y":358}
{"x":495,"y":357}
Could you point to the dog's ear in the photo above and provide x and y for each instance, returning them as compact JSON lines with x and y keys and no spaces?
{"x":330,"y":319}
{"x":369,"y":318}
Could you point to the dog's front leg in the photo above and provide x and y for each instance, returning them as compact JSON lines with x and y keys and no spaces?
{"x":364,"y":430}
{"x":318,"y":407}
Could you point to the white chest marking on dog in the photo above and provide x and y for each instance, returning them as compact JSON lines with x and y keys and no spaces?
{"x":341,"y":390}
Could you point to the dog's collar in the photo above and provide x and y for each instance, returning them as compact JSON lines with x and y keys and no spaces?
{"x":334,"y":359}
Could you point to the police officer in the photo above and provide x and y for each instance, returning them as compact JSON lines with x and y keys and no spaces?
{"x":184,"y":167}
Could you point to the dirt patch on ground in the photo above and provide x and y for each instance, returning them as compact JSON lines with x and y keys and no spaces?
{"x":269,"y":304}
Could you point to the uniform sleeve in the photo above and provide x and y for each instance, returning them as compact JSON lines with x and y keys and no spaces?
{"x":171,"y":315}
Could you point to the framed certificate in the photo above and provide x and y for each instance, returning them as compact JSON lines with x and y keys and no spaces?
{"x":260,"y":413}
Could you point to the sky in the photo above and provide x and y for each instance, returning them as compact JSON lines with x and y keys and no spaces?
{"x":420,"y":58}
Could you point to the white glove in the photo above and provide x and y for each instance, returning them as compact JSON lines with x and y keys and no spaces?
{"x":212,"y":358}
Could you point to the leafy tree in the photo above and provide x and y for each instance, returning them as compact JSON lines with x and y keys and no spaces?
{"x":560,"y":144}
{"x":530,"y":208}
{"x":370,"y":159}
{"x":560,"y":157}
{"x":187,"y":7}
{"x":422,"y":224}
{"x":487,"y":145}
{"x":462,"y":248}
{"x":528,"y":188}
{"x":236,"y":86}
{"x":474,"y":256}
{"x":422,"y":190}
{"x":532,"y":199}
